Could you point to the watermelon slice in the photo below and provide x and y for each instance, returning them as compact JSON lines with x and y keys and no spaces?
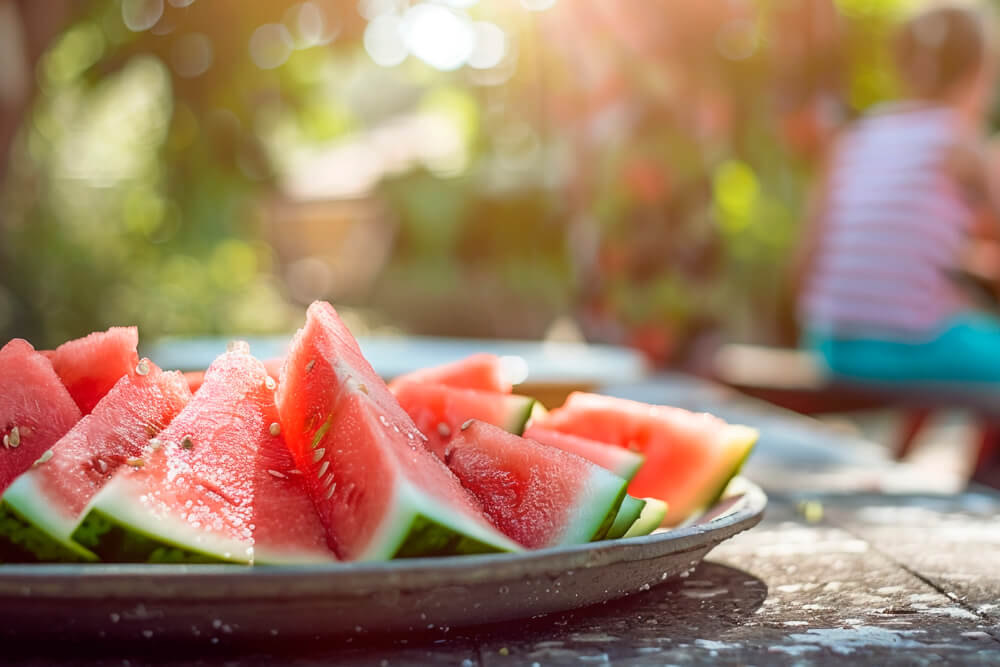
{"x":628,"y":514}
{"x":91,"y":365}
{"x":35,"y":408}
{"x":439,"y":411}
{"x":650,"y":518}
{"x":621,"y":462}
{"x":379,"y":492}
{"x":539,"y":496}
{"x":286,"y":526}
{"x":478,"y":371}
{"x":690,"y":457}
{"x":190,"y":496}
{"x":41,"y":508}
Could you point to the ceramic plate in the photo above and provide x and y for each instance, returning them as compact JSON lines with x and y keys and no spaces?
{"x":223,"y":602}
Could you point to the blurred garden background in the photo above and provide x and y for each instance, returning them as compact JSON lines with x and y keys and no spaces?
{"x":625,"y":171}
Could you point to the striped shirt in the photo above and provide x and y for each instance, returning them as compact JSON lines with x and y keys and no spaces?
{"x":894,"y":227}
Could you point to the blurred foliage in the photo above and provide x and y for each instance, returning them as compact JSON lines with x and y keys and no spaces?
{"x":643,"y":169}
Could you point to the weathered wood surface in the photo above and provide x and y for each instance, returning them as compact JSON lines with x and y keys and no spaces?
{"x":833,"y":577}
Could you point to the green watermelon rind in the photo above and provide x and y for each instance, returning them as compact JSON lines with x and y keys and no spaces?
{"x":741,"y":441}
{"x":595,"y":511}
{"x":31,"y":526}
{"x":630,"y":510}
{"x":118,"y":542}
{"x":652,"y":515}
{"x":519,"y":411}
{"x":538,"y":412}
{"x":118,"y":527}
{"x":417,"y":525}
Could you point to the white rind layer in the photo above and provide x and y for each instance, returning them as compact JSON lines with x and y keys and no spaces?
{"x":409,"y":504}
{"x":125,"y":505}
{"x":26,"y":498}
{"x":592,"y":506}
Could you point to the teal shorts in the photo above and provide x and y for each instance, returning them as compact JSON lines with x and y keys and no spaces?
{"x":967,"y":350}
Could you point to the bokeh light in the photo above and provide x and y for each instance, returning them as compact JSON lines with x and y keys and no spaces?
{"x":736,"y":39}
{"x":439,"y":36}
{"x":312,"y":24}
{"x":140,"y":15}
{"x":384,"y":40}
{"x":270,"y":45}
{"x":191,"y":54}
{"x":490,"y":47}
{"x":372,"y":9}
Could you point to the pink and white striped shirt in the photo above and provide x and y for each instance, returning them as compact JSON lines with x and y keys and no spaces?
{"x":894,"y":227}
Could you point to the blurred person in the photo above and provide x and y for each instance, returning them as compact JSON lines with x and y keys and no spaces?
{"x":893,"y":214}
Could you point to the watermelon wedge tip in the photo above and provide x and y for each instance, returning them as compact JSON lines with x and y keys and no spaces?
{"x":379,"y":492}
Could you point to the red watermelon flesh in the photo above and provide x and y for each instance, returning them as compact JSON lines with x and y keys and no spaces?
{"x":287,"y":528}
{"x":539,"y":496}
{"x":378,"y":491}
{"x":35,"y":408}
{"x":621,"y":462}
{"x":689,"y":457}
{"x":52,"y":495}
{"x":478,"y":371}
{"x":193,"y":493}
{"x":439,"y":411}
{"x":91,"y":365}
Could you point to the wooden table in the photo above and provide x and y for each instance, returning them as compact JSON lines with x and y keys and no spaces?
{"x":837,"y":572}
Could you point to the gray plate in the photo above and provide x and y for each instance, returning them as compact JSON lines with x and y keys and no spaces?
{"x":223,"y":602}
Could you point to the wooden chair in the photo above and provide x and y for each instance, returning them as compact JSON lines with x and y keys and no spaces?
{"x":796,"y":380}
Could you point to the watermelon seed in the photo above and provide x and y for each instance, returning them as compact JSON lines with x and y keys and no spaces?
{"x":328,"y":480}
{"x":15,"y":438}
{"x":275,"y":429}
{"x":362,"y":387}
{"x":135,"y":462}
{"x":186,"y":443}
{"x":155,"y":444}
{"x":277,"y":474}
{"x":444,"y":430}
{"x":329,"y":492}
{"x":322,"y":469}
{"x":310,"y":365}
{"x":270,"y":383}
{"x":295,"y":472}
{"x":467,"y":424}
{"x":102,"y":465}
{"x":43,"y":458}
{"x":318,"y":454}
{"x":142,"y":368}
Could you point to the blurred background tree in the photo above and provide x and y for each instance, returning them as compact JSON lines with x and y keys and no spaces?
{"x":458,"y":167}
